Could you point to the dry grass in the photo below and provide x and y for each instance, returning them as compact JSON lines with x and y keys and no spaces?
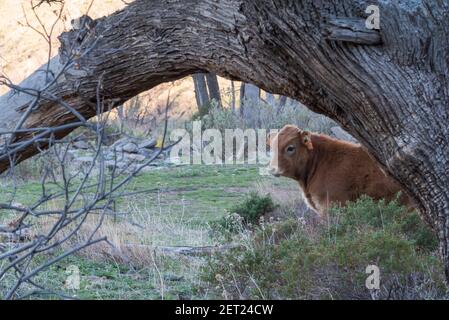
{"x":143,"y":230}
{"x":287,"y":194}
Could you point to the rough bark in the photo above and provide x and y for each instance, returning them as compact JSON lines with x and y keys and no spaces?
{"x":351,"y":30}
{"x":393,"y":97}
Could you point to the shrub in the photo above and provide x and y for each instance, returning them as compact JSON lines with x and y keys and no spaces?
{"x":248,"y":212}
{"x":253,"y":208}
{"x":263,"y":115}
{"x":297,"y":260}
{"x":227,"y":226}
{"x":366,"y":213}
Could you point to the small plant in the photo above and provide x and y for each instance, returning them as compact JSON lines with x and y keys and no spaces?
{"x":249,"y":212}
{"x":254,"y":207}
{"x":227,"y":226}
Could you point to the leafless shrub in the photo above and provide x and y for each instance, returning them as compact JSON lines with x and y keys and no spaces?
{"x":66,"y":216}
{"x":264,"y":115}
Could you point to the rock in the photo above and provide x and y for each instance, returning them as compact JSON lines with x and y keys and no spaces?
{"x":111,"y":164}
{"x":81,"y":144}
{"x":84,"y":159}
{"x":110,"y":155}
{"x":339,"y":133}
{"x":130,"y":148}
{"x":135,"y":157}
{"x":118,"y":145}
{"x":148,"y":144}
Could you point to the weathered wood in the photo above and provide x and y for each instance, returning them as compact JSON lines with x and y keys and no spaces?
{"x":392,"y":97}
{"x":187,"y":250}
{"x":351,"y":30}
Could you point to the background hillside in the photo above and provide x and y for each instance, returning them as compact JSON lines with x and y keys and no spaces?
{"x":22,"y":49}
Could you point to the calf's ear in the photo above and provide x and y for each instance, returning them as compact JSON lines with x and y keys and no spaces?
{"x":307,"y":140}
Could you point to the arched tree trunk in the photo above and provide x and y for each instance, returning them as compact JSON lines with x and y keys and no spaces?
{"x":389,"y":89}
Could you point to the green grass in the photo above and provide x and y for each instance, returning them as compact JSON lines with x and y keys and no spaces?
{"x":289,"y":259}
{"x":209,"y":190}
{"x":182,"y":201}
{"x":106,"y":280}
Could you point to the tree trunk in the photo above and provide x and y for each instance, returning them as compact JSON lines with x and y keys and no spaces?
{"x":249,"y":95}
{"x":202,"y":97}
{"x":387,"y":88}
{"x":282,"y":101}
{"x":214,"y":88}
{"x":233,"y":96}
{"x":242,"y":98}
{"x":270,"y":99}
{"x":252,"y":93}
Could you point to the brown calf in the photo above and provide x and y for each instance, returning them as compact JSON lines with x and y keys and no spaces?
{"x":329,"y":171}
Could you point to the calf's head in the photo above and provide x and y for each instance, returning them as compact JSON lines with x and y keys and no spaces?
{"x":290,"y":151}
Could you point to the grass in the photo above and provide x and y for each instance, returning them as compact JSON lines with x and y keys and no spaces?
{"x":106,"y":280}
{"x":177,"y":210}
{"x":284,"y":254}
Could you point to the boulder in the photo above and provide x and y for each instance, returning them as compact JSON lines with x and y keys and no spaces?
{"x":148,"y":144}
{"x":135,"y":157}
{"x":117,"y":145}
{"x":81,"y":145}
{"x":84,"y":159}
{"x":130,"y":147}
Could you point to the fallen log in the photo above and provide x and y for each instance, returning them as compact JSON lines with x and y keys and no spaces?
{"x":186,"y":250}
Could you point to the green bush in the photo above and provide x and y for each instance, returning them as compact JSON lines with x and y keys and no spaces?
{"x":243,"y":214}
{"x":366,"y":213}
{"x":297,"y":260}
{"x":253,"y":208}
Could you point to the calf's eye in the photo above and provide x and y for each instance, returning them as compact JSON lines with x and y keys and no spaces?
{"x":290,"y":149}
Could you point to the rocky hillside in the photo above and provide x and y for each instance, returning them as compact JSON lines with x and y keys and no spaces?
{"x":23,"y":49}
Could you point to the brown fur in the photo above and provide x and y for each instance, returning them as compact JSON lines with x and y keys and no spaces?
{"x":329,"y":171}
